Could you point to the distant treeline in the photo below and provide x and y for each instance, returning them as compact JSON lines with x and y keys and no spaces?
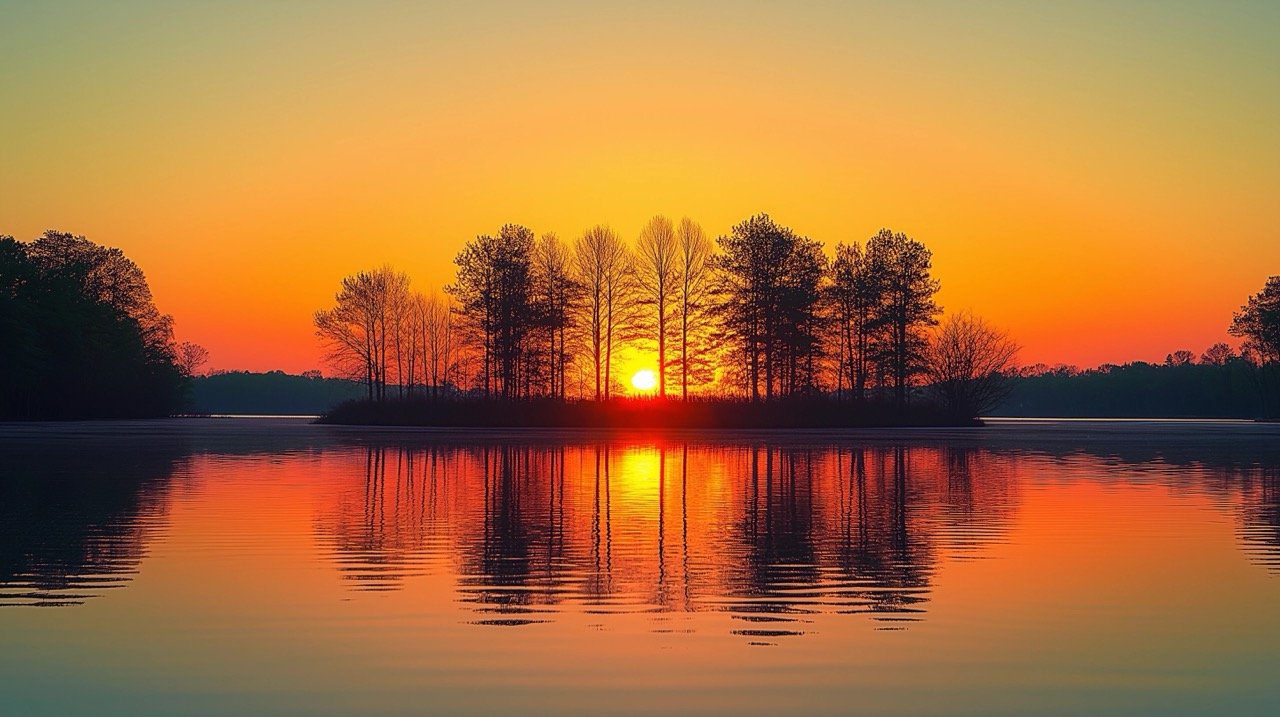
{"x":1234,"y":389}
{"x":80,"y":336}
{"x":1138,"y":390}
{"x":271,"y":393}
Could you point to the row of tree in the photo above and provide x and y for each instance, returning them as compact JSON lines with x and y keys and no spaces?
{"x":760,"y":312}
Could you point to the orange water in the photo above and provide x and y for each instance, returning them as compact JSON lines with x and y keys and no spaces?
{"x":273,"y":568}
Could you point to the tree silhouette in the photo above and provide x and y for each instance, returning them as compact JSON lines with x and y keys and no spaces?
{"x":770,"y":288}
{"x":970,"y":365}
{"x":1258,"y":323}
{"x":657,"y":281}
{"x":1217,"y":355}
{"x":693,"y":300}
{"x":191,"y":357}
{"x":907,"y":309}
{"x":604,"y":268}
{"x":494,"y":288}
{"x":358,"y":330}
{"x":81,"y":336}
{"x":558,"y":294}
{"x":856,"y":293}
{"x":438,"y":342}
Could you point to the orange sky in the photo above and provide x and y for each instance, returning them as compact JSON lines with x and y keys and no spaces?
{"x":1102,"y":182}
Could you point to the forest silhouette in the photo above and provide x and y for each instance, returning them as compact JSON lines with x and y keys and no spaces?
{"x":81,"y":335}
{"x":758,"y":328}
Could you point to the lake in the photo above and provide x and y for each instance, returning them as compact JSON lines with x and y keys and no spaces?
{"x":273,"y":567}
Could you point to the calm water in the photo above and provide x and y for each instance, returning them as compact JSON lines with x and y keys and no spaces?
{"x":273,"y":567}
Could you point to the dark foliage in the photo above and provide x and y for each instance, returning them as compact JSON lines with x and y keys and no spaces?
{"x":79,"y":335}
{"x":271,"y":393}
{"x":1142,"y":390}
{"x":787,"y":412}
{"x":770,"y":286}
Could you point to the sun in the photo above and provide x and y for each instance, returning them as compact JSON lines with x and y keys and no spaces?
{"x":644,"y":380}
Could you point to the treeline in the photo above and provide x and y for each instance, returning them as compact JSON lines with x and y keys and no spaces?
{"x":1220,"y":383}
{"x":761,"y":313}
{"x":80,"y":336}
{"x":269,"y":393}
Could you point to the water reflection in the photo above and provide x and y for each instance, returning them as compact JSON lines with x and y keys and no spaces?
{"x":771,"y":533}
{"x":290,"y":569}
{"x":1260,"y":516}
{"x":76,"y":523}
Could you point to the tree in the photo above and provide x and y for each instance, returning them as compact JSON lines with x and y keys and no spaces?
{"x":358,"y":331}
{"x":439,"y":352}
{"x":856,"y":295}
{"x":494,"y":288}
{"x":1219,"y":354}
{"x":657,"y":283}
{"x":557,"y":294}
{"x":1258,"y":323}
{"x":769,"y":286}
{"x":970,"y":365}
{"x":191,"y":357}
{"x":79,"y":334}
{"x":694,"y":296}
{"x":1180,"y":358}
{"x":604,"y":268}
{"x":106,"y":275}
{"x":908,"y":308}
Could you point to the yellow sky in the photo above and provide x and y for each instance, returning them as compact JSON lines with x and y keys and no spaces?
{"x":1100,"y":181}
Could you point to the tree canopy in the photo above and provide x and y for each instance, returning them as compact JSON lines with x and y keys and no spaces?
{"x":83,"y":338}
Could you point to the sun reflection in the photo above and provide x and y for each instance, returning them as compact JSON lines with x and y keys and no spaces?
{"x":638,"y":472}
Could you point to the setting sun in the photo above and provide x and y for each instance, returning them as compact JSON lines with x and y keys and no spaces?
{"x":644,"y":380}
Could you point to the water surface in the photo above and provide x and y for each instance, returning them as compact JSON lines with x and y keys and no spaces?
{"x":238,"y":566}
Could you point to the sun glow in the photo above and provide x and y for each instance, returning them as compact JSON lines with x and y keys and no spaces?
{"x":644,"y":380}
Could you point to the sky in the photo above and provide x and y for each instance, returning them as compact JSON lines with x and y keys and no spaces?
{"x":1100,"y":179}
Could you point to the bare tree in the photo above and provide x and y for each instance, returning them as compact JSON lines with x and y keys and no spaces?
{"x":191,"y":357}
{"x":399,"y":312}
{"x":657,"y":283}
{"x":604,"y":268}
{"x":970,"y":365}
{"x":436,"y":341}
{"x":557,"y":294}
{"x":356,"y":331}
{"x":694,"y":293}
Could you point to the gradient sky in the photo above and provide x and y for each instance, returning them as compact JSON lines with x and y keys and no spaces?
{"x":1102,"y":179}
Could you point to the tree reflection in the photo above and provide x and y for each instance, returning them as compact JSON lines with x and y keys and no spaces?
{"x":76,"y":523}
{"x":1260,"y":517}
{"x":380,"y":538}
{"x":767,"y":532}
